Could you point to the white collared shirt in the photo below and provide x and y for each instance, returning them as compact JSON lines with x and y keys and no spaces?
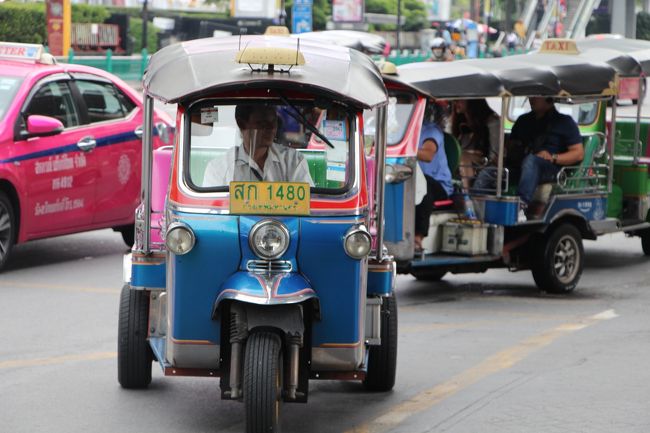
{"x":283,"y":164}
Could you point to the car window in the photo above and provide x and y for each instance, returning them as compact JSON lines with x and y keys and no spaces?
{"x":55,"y":100}
{"x":103,"y":101}
{"x":8,"y":88}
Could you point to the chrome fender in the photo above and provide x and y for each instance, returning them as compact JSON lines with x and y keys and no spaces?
{"x":266,"y":289}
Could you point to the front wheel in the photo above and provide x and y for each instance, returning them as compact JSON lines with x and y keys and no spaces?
{"x":7,"y":228}
{"x":382,"y":359}
{"x":263,"y":382}
{"x":558,"y":260}
{"x":134,"y":356}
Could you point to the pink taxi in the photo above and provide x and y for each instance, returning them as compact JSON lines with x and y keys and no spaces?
{"x":70,"y":148}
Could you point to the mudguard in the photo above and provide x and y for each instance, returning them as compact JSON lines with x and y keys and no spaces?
{"x":265,"y":289}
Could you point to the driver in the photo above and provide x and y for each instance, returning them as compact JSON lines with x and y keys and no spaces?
{"x":259,"y":158}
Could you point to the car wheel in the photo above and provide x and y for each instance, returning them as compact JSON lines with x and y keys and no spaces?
{"x":557,"y":265}
{"x":263,"y":382}
{"x":382,"y":359}
{"x":134,"y":356}
{"x":128,"y":234}
{"x":7,"y":228}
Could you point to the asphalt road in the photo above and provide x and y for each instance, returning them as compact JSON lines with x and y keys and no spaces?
{"x":477,"y":353}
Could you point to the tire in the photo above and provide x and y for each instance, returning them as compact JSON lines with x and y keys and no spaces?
{"x":7,"y":228}
{"x":645,"y":242}
{"x":428,"y":274}
{"x":382,"y":359}
{"x":134,"y":356}
{"x":263,"y":382}
{"x":128,"y":235}
{"x":558,"y":260}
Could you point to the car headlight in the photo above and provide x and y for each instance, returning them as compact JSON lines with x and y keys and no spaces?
{"x":357,"y":242}
{"x":179,"y":238}
{"x":269,"y":239}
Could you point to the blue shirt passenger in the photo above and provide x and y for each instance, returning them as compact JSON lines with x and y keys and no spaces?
{"x":437,"y":168}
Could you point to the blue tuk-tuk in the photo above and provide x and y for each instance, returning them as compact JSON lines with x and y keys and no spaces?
{"x":480,"y":228}
{"x":258,"y":255}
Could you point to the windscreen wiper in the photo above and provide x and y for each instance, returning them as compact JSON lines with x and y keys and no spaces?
{"x":297,"y":115}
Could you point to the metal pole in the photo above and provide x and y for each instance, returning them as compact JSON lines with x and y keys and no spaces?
{"x":612,"y":138}
{"x":399,"y":24}
{"x":502,"y":144}
{"x":637,"y":127}
{"x":145,"y":18}
{"x":147,"y":148}
{"x":380,"y":164}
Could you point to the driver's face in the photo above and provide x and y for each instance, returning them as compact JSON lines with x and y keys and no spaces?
{"x":261,"y":126}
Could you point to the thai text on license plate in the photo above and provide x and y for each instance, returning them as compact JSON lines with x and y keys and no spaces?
{"x":269,"y":198}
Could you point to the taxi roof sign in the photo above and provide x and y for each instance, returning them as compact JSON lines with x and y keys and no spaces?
{"x":270,"y":56}
{"x":277,"y":31}
{"x":14,"y":51}
{"x":559,"y":46}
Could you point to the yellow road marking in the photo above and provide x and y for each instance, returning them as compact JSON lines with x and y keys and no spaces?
{"x":60,"y":287}
{"x":18,"y":363}
{"x":495,"y":363}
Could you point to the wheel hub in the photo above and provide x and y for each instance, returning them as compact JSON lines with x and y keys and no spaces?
{"x":565,"y":259}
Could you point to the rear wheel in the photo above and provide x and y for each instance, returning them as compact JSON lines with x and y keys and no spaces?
{"x":428,"y":274}
{"x":263,"y":382}
{"x":558,"y":260}
{"x":134,"y":356}
{"x":7,"y":228}
{"x":382,"y":359}
{"x":645,"y":242}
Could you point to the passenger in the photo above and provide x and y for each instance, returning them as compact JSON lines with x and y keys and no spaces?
{"x":477,"y":128}
{"x":432,"y":160}
{"x":261,"y":158}
{"x":552,"y":140}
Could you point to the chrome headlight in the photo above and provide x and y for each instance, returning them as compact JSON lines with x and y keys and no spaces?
{"x":179,"y":238}
{"x":269,"y":239}
{"x":357,"y":242}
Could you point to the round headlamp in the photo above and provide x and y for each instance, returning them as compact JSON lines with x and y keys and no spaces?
{"x":179,"y":238}
{"x":269,"y":239}
{"x":357,"y":242}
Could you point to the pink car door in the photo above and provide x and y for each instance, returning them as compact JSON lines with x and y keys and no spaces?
{"x":59,"y":170}
{"x":114,"y":119}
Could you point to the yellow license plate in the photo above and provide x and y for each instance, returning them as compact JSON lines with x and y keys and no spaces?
{"x":269,"y":198}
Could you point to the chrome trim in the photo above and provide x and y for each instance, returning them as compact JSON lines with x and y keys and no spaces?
{"x":269,"y":266}
{"x":126,"y":268}
{"x":180,"y":225}
{"x":264,"y":223}
{"x":147,"y":147}
{"x":380,"y":164}
{"x":612,"y":140}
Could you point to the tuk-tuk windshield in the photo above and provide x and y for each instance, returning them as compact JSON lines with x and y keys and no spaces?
{"x":400,"y":107}
{"x":584,"y":113}
{"x":264,"y":141}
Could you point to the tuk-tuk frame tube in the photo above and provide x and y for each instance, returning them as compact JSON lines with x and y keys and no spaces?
{"x":380,"y":180}
{"x":612,"y":146}
{"x":502,"y":139}
{"x":147,"y":149}
{"x":637,"y":127}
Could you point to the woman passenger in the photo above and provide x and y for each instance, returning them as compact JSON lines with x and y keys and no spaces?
{"x":476,"y":126}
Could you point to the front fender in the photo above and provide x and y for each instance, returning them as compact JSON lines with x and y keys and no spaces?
{"x":265,"y":289}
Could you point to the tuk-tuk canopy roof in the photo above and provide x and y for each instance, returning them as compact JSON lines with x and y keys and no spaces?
{"x":630,"y":57}
{"x":203,"y":66}
{"x":362,"y":41}
{"x":535,"y":74}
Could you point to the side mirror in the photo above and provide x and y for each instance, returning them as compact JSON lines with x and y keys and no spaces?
{"x":43,"y":126}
